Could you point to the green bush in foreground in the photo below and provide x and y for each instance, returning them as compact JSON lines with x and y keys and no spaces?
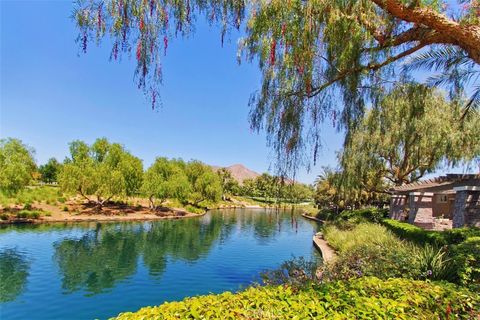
{"x":366,"y":298}
{"x":413,"y":233}
{"x":371,"y":250}
{"x":467,"y":260}
{"x":359,"y":215}
{"x":463,"y":247}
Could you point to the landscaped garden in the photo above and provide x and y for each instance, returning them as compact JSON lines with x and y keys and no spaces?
{"x":383,"y":269}
{"x":356,"y":104}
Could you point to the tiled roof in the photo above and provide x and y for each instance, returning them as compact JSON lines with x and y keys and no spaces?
{"x":442,"y":181}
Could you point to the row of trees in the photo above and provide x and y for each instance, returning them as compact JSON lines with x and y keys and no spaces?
{"x":106,"y":170}
{"x":102,"y":171}
{"x":274,"y":188}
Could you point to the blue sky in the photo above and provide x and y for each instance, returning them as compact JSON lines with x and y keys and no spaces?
{"x":51,"y":94}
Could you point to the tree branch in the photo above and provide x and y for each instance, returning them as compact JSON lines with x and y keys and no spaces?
{"x":466,"y":36}
{"x":369,"y":67}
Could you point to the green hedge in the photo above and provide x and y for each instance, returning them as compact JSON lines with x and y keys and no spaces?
{"x":365,"y":298}
{"x":413,"y":233}
{"x":367,"y":214}
{"x":463,"y":247}
{"x":467,"y":259}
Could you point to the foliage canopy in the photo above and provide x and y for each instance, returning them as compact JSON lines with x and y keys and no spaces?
{"x":412,"y":131}
{"x":166,"y":179}
{"x":103,"y":169}
{"x":319,"y":59}
{"x":204,"y":182}
{"x":17,"y":165}
{"x":49,"y":170}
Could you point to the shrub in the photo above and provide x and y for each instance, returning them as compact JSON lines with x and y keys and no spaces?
{"x":31,"y":195}
{"x":22,"y":215}
{"x":362,"y":235}
{"x":4,"y":216}
{"x":192,"y":209}
{"x":369,"y":214}
{"x":370,"y":250}
{"x":61,"y":199}
{"x":354,"y":216}
{"x":434,"y":263}
{"x":458,"y":235}
{"x":413,"y":233}
{"x":366,"y":298}
{"x":326,"y":215}
{"x":467,"y":260}
{"x":28,"y":214}
{"x":27,"y":206}
{"x":410,"y":232}
{"x":65,"y":208}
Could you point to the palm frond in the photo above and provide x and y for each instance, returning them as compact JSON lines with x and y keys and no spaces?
{"x":461,"y":76}
{"x":473,"y":103}
{"x":440,"y":58}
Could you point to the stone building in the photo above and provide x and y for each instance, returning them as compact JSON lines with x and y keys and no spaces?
{"x":439,"y":203}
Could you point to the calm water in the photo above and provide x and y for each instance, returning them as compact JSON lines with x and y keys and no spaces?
{"x":88,"y":271}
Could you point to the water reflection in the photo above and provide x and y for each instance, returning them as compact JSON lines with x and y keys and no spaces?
{"x":98,"y":259}
{"x":94,"y":271}
{"x":109,"y":253}
{"x":14,"y":268}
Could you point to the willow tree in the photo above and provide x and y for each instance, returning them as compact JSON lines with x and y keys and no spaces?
{"x":101,"y":172}
{"x":204,"y":183}
{"x":333,"y":191}
{"x":412,"y":131}
{"x":17,"y":165}
{"x":230,"y":186}
{"x":165,"y":179}
{"x":320,"y":59}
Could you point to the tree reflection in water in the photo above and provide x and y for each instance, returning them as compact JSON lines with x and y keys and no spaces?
{"x":14,"y":268}
{"x":98,"y":259}
{"x":108,"y":254}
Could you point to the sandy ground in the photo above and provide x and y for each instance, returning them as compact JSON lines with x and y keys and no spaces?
{"x":80,"y":212}
{"x":77,"y":210}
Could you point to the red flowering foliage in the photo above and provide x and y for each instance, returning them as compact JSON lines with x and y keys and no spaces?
{"x":273,"y":47}
{"x":139,"y":50}
{"x":165,"y":45}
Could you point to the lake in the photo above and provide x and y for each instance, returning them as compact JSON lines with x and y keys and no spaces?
{"x":97,"y":270}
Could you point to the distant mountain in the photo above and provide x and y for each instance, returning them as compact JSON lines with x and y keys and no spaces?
{"x":240,"y":172}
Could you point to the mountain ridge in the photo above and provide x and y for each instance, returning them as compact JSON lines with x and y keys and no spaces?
{"x":239,"y":172}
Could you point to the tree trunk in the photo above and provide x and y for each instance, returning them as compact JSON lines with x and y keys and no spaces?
{"x":151,"y":202}
{"x":446,"y":31}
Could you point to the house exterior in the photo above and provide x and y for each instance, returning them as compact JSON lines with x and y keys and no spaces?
{"x":439,"y":203}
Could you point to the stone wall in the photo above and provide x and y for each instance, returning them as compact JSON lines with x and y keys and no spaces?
{"x":421,"y":210}
{"x":467,"y":209}
{"x":398,"y":207}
